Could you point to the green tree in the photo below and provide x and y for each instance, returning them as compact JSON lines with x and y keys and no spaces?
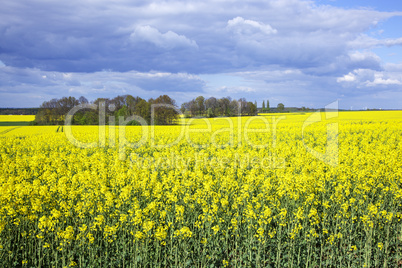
{"x":183,"y":108}
{"x":123,"y":111}
{"x":212,"y":103}
{"x":252,"y":108}
{"x":164,"y":114}
{"x":90,"y":117}
{"x":223,"y":106}
{"x":210,"y":113}
{"x":143,"y":109}
{"x":280,"y":107}
{"x":119,"y":102}
{"x":200,"y":104}
{"x":233,"y":108}
{"x":130,"y":101}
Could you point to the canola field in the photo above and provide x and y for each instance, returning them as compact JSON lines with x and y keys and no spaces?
{"x":276,"y":190}
{"x":15,"y":120}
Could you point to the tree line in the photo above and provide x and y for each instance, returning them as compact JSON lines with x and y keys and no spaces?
{"x":18,"y":111}
{"x":213,"y":107}
{"x":160,"y":111}
{"x":54,"y":112}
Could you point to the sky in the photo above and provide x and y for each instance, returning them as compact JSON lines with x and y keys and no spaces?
{"x":295,"y":52}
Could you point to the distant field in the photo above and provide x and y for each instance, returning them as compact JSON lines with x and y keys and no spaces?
{"x":16,"y":120}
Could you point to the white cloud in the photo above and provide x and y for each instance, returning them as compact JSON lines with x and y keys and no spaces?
{"x":347,"y":78}
{"x":249,"y":27}
{"x":357,"y":56}
{"x":365,"y":41}
{"x":379,"y":80}
{"x":366,"y":78}
{"x":391,"y":42}
{"x":168,"y":40}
